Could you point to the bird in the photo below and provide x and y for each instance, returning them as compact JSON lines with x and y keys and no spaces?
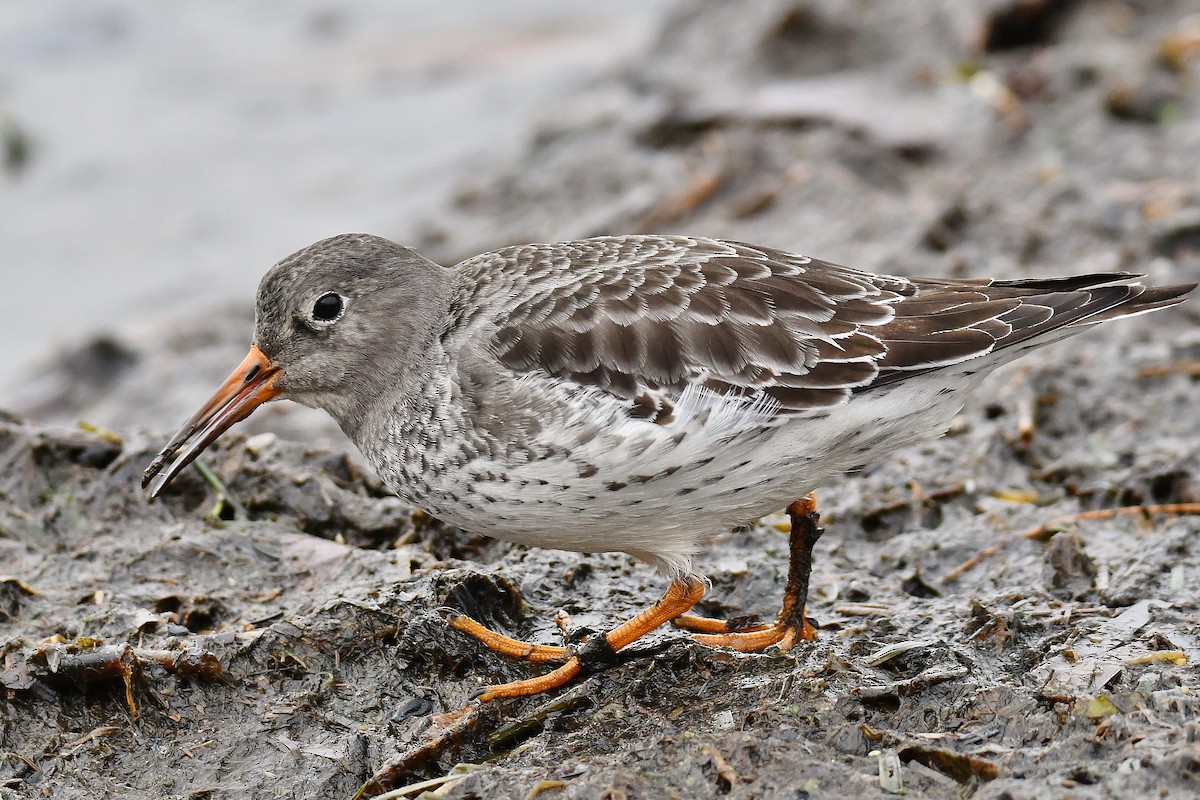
{"x":635,"y":394}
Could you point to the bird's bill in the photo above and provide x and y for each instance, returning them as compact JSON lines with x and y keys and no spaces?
{"x":250,"y":385}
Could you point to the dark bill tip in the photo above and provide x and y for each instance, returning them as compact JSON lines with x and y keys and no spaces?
{"x":250,"y":385}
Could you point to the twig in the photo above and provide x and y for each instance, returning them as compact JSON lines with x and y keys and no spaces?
{"x":1026,"y":421}
{"x":1058,"y":523}
{"x":1109,"y":513}
{"x":702,"y":187}
{"x":1190,"y":368}
{"x":19,"y":584}
{"x":863,"y":610}
{"x":95,"y":733}
{"x":909,"y":686}
{"x":458,"y":773}
{"x":544,"y":786}
{"x":448,"y":739}
{"x":725,"y":772}
{"x":970,"y":563}
{"x":56,"y":665}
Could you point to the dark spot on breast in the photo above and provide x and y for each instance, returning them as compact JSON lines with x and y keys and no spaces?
{"x":670,"y":471}
{"x":586,"y":433}
{"x":588,"y":470}
{"x":648,"y":405}
{"x":687,"y":490}
{"x":615,"y":486}
{"x":642,"y":478}
{"x":653,"y":407}
{"x":678,"y":437}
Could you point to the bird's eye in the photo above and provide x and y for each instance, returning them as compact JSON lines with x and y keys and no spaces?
{"x":328,"y":307}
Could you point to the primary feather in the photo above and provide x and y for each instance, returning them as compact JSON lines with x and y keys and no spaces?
{"x":647,"y":316}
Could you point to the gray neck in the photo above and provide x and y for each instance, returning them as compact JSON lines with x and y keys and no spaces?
{"x":388,"y":385}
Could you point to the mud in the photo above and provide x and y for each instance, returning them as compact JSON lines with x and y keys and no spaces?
{"x":279,"y":629}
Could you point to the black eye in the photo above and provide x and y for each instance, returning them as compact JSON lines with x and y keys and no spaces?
{"x":328,"y":307}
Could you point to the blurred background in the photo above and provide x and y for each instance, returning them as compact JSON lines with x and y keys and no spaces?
{"x":157,"y":160}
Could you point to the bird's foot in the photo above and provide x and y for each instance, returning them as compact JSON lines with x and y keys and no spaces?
{"x":542,"y":683}
{"x":513,"y":648}
{"x":791,"y":625}
{"x":597,"y":651}
{"x":690,"y":622}
{"x":783,"y":634}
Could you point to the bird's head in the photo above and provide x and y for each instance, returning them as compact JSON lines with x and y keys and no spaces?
{"x":337,"y":325}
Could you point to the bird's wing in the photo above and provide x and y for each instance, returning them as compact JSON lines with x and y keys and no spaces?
{"x":643,"y":317}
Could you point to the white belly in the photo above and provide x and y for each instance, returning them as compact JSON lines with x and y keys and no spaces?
{"x":660,"y":491}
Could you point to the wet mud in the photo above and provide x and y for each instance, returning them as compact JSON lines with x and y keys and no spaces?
{"x":277,"y":626}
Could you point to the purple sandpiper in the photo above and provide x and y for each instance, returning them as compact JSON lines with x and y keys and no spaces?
{"x":631,"y":393}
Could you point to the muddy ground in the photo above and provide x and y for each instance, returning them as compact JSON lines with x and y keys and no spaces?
{"x":279,"y":630}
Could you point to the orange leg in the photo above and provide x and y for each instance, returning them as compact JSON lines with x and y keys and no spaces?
{"x":791,"y":625}
{"x":682,"y":594}
{"x":690,"y":622}
{"x":514,"y":648}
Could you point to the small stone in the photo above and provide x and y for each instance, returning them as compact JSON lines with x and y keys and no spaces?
{"x":256,"y":444}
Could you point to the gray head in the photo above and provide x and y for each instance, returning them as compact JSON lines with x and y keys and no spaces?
{"x":338,"y":325}
{"x":347,"y":318}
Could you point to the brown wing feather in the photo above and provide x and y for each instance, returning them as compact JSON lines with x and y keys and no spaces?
{"x":640,"y":315}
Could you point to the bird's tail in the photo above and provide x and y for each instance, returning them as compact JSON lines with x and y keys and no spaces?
{"x":1016,"y":315}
